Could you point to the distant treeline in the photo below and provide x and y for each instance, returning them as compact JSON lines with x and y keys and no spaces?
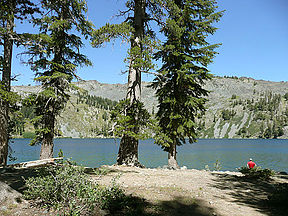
{"x":19,"y":118}
{"x":270,"y":111}
{"x":95,"y":101}
{"x":26,"y":113}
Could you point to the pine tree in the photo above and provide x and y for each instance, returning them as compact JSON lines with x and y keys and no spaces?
{"x":55,"y":57}
{"x":10,"y":10}
{"x":185,"y":56}
{"x":141,"y":36}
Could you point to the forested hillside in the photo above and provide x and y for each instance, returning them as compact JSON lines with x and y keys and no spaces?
{"x":236,"y":108}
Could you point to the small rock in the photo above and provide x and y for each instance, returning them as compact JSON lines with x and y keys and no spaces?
{"x":210,"y":202}
{"x":214,"y":214}
{"x":183,"y":168}
{"x":4,"y":208}
{"x":18,"y":213}
{"x":165,"y":167}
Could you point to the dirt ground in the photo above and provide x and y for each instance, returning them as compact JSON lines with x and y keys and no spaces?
{"x":161,"y":192}
{"x":195,"y":192}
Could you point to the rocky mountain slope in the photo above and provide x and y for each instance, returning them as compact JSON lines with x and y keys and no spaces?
{"x":236,"y":108}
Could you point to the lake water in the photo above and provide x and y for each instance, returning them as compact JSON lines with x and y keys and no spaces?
{"x":231,"y":153}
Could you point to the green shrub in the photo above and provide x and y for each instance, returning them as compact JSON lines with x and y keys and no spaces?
{"x":101,"y":171}
{"x":67,"y":189}
{"x":217,"y":165}
{"x":64,"y":187}
{"x":257,"y":173}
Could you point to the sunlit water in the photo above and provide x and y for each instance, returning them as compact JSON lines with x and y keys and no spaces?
{"x":231,"y":153}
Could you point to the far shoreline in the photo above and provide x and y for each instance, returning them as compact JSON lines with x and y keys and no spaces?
{"x":152,"y":138}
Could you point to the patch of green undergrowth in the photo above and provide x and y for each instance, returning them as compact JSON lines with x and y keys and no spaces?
{"x":217,"y":165}
{"x":257,"y":173}
{"x":67,"y":189}
{"x":101,"y":171}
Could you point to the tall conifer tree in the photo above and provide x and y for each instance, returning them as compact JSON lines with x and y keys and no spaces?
{"x":10,"y":10}
{"x":55,"y":57}
{"x":137,"y":31}
{"x":185,"y":54}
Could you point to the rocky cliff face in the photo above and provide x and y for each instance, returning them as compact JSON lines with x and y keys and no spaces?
{"x":236,"y":108}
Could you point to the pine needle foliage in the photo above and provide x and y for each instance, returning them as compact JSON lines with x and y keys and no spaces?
{"x":137,"y":31}
{"x":185,"y":54}
{"x":54,"y":57}
{"x":125,"y":122}
{"x":10,"y":10}
{"x":20,"y":10}
{"x":130,"y":28}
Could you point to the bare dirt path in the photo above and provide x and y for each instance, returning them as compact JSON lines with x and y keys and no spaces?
{"x":194,"y":192}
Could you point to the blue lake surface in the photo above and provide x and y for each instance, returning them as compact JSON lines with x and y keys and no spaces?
{"x":231,"y":153}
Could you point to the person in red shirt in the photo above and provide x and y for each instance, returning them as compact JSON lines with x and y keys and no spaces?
{"x":251,"y":164}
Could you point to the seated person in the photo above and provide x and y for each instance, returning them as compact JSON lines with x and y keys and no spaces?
{"x":251,"y":164}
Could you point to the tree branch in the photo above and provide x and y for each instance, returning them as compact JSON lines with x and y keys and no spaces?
{"x":153,"y":73}
{"x":157,"y":21}
{"x":123,"y":13}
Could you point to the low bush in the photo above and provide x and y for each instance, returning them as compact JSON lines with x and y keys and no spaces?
{"x":257,"y":173}
{"x":101,"y":171}
{"x":217,"y":165}
{"x":67,"y":189}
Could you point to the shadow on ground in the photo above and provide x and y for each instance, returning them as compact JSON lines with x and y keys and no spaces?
{"x":249,"y":192}
{"x":179,"y":206}
{"x":15,"y":177}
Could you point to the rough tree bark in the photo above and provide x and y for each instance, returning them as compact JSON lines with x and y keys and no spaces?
{"x":128,"y":150}
{"x":172,"y":162}
{"x":47,"y":144}
{"x":6,"y":85}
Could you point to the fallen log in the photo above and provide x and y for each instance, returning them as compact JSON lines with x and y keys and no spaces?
{"x":36,"y":163}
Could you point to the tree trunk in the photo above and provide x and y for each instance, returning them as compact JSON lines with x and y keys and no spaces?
{"x":6,"y":85}
{"x":128,"y":149}
{"x":172,"y":162}
{"x":3,"y":133}
{"x":134,"y":76}
{"x":47,"y":144}
{"x":128,"y":152}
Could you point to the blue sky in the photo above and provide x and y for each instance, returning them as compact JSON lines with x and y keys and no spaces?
{"x":253,"y":33}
